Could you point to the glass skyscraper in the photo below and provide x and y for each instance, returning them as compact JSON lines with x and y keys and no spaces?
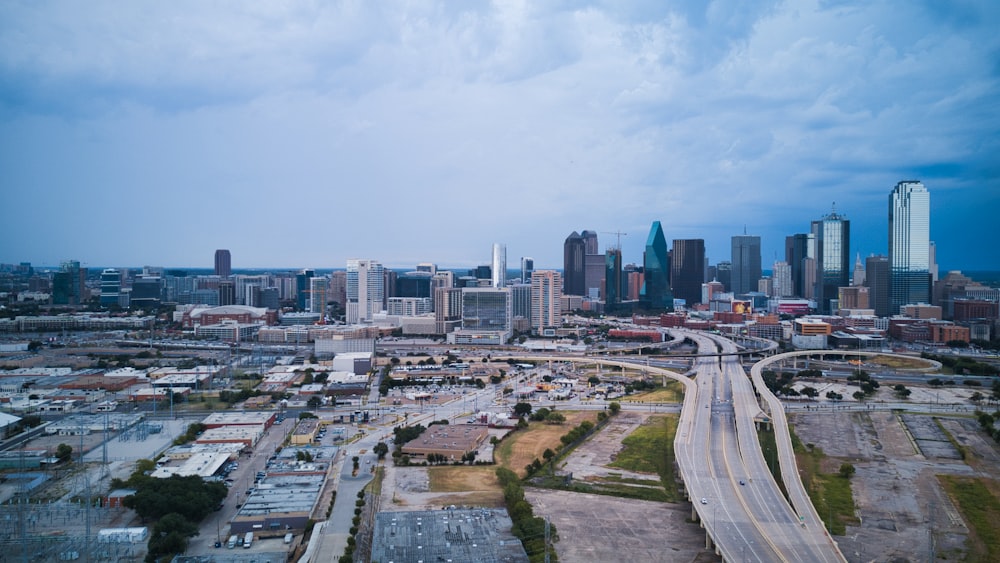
{"x":613,"y":287}
{"x":655,"y":293}
{"x":746,"y":264}
{"x":909,"y":245}
{"x":687,"y":269}
{"x":833,"y":258}
{"x":574,"y":251}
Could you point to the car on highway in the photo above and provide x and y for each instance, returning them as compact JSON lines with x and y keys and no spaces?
{"x":741,"y":482}
{"x":704,"y":500}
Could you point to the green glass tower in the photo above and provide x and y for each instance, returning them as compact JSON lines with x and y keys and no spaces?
{"x":655,"y":294}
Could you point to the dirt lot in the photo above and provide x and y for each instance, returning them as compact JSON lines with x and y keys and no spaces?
{"x":589,"y":460}
{"x":603,"y":528}
{"x":903,"y":510}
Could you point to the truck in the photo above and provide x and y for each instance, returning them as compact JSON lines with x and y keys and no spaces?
{"x":248,"y":540}
{"x":232,"y":541}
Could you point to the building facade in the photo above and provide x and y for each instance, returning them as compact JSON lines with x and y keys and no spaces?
{"x":909,"y":245}
{"x":746,"y":264}
{"x":574,"y":253}
{"x":365,"y":290}
{"x":687,"y":269}
{"x":833,"y":258}
{"x":223,"y":263}
{"x":655,"y":294}
{"x":546,"y":295}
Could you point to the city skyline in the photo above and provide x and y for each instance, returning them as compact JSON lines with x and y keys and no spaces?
{"x":136,"y":136}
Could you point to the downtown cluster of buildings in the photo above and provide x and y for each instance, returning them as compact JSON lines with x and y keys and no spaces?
{"x":487,"y":305}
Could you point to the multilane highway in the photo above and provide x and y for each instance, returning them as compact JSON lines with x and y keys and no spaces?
{"x":734,"y":494}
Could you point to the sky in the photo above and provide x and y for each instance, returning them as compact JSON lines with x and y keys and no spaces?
{"x":301,"y":134}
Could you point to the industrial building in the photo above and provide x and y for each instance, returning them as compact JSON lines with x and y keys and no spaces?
{"x":478,"y":534}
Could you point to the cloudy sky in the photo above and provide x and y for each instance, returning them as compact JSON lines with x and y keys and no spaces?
{"x":300,"y":134}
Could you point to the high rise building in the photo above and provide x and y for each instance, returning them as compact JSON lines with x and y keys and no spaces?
{"x":413,"y":284}
{"x":909,"y":245}
{"x":111,"y":287}
{"x":574,"y":253}
{"x":227,"y":292}
{"x":687,"y":269}
{"x":318,"y":288}
{"x":746,"y":264}
{"x":833,"y":258}
{"x":877,"y":281}
{"x":593,"y":276}
{"x":614,"y":285}
{"x":724,"y":274}
{"x":710,"y":290}
{"x":590,"y":242}
{"x":499,"y":266}
{"x":338,"y":288}
{"x":223,"y":263}
{"x":447,"y":309}
{"x":546,"y":297}
{"x":520,"y":310}
{"x":781,"y":280}
{"x":365,"y":290}
{"x":302,"y":288}
{"x":798,"y":248}
{"x":858,"y":277}
{"x":655,"y":293}
{"x":527,"y":266}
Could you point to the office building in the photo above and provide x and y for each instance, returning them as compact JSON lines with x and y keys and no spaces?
{"x":655,"y":294}
{"x":447,"y":309}
{"x":223,"y":263}
{"x":593,"y":276}
{"x":527,"y":266}
{"x":745,"y":263}
{"x":687,"y":269}
{"x":147,"y":292}
{"x":710,"y":290}
{"x":338,"y":288}
{"x":614,"y":284}
{"x":318,"y":287}
{"x":833,"y":259}
{"x":724,"y":274}
{"x":499,"y":266}
{"x":111,"y":287}
{"x":858,"y":277}
{"x":520,"y":298}
{"x":781,"y":280}
{"x":798,"y":248}
{"x":877,"y":282}
{"x":414,"y":284}
{"x":302,"y":288}
{"x":487,"y":309}
{"x":365,"y":290}
{"x":546,"y":295}
{"x":909,"y":245}
{"x":590,"y":242}
{"x":574,"y":253}
{"x":227,"y":292}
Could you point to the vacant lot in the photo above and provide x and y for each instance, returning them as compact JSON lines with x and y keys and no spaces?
{"x":671,"y":393}
{"x":520,"y":448}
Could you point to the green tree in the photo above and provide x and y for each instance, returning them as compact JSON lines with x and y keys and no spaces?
{"x":847,"y":470}
{"x":64,"y":452}
{"x":314,"y":402}
{"x":615,"y":407}
{"x":555,"y":417}
{"x":594,"y":380}
{"x":522,"y":409}
{"x":810,"y":392}
{"x":170,"y":536}
{"x":381,"y":449}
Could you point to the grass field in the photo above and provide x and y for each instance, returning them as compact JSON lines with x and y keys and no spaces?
{"x":981,"y":510}
{"x":670,"y":393}
{"x":524,"y":446}
{"x":650,"y":449}
{"x":898,"y":363}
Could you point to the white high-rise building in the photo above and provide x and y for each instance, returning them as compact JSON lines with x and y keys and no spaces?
{"x":365,"y":290}
{"x":499,"y":266}
{"x":909,"y":245}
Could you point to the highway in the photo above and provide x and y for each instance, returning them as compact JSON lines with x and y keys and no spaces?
{"x":744,"y":510}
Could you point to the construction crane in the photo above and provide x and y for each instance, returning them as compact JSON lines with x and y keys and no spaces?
{"x":619,"y":234}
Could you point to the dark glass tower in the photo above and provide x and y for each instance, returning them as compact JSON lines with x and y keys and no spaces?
{"x":687,"y":269}
{"x":223,"y":263}
{"x":655,"y":294}
{"x":796,"y":251}
{"x":746,"y":264}
{"x":833,"y":258}
{"x":574,"y":253}
{"x":613,"y":286}
{"x":877,"y":281}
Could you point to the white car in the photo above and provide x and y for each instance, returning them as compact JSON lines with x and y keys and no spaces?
{"x":704,"y":500}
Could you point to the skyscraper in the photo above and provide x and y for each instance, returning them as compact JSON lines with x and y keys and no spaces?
{"x":781,"y":276}
{"x":687,"y":269}
{"x":318,"y":287}
{"x":223,"y":263}
{"x":302,"y":288}
{"x":909,"y":245}
{"x":724,"y":274}
{"x":365,"y":290}
{"x":499,"y":266}
{"x":614,"y":286}
{"x":833,"y":258}
{"x":574,"y":252}
{"x":111,"y":287}
{"x":527,"y":266}
{"x":546,"y":295}
{"x":590,"y":242}
{"x":798,"y":248}
{"x":877,"y":281}
{"x":746,"y":264}
{"x":655,"y":293}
